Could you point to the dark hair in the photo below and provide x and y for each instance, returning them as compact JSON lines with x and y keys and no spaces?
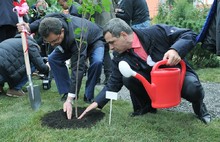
{"x":115,"y":26}
{"x":50,"y":25}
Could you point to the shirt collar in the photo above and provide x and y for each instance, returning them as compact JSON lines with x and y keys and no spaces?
{"x":136,"y":42}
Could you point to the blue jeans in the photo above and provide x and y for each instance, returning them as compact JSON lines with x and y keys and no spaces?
{"x":142,"y":25}
{"x":60,"y":72}
{"x":94,"y":71}
{"x":24,"y":80}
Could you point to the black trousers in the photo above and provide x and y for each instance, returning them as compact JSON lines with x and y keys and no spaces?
{"x":7,"y":31}
{"x":192,"y":90}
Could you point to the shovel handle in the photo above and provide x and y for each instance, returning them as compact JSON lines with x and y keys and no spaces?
{"x":25,"y":50}
{"x":25,"y":47}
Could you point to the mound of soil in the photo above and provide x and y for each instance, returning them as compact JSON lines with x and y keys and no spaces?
{"x":58,"y":119}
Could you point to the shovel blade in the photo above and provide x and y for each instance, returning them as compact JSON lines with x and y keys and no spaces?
{"x":34,"y":96}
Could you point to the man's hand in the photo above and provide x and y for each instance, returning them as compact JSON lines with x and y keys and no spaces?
{"x":172,"y":56}
{"x":23,"y":26}
{"x":65,"y":11}
{"x":67,"y":107}
{"x":89,"y":108}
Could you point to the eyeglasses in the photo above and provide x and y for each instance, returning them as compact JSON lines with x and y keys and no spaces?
{"x":53,"y":41}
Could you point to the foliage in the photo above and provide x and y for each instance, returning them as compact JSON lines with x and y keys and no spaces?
{"x":89,"y":8}
{"x":183,"y":14}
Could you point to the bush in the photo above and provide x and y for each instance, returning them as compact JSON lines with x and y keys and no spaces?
{"x":183,"y":14}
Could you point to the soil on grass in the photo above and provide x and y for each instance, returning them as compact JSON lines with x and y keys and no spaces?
{"x":58,"y":120}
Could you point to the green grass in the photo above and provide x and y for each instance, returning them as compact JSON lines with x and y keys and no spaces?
{"x":209,"y":75}
{"x":19,"y":123}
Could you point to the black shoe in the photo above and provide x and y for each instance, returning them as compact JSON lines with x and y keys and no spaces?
{"x":201,"y":111}
{"x":206,"y":119}
{"x":135,"y":113}
{"x":143,"y":111}
{"x":64,"y":97}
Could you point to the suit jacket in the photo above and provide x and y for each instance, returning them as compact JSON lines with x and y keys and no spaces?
{"x":134,"y":11}
{"x":156,"y":40}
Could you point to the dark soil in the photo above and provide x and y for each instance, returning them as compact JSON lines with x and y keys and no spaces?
{"x":58,"y":119}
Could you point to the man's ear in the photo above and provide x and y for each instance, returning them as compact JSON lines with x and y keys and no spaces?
{"x":62,"y":30}
{"x":124,"y":35}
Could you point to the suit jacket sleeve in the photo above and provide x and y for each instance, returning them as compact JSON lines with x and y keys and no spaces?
{"x":114,"y":84}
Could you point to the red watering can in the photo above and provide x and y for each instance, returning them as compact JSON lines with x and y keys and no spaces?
{"x":166,"y":83}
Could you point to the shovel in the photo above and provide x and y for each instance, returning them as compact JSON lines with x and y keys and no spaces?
{"x":33,"y":90}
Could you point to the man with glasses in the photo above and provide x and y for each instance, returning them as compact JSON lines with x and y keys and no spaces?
{"x":60,"y":31}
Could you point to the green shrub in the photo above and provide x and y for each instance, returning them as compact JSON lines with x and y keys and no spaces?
{"x":183,"y":14}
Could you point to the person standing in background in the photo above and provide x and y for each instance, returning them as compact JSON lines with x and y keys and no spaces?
{"x":8,"y":23}
{"x":210,"y":32}
{"x":101,"y":19}
{"x":134,"y":12}
{"x":72,"y":10}
{"x":9,"y":20}
{"x":37,"y":11}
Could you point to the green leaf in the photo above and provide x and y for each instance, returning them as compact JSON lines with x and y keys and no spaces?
{"x":98,"y":8}
{"x":77,"y":31}
{"x":106,"y":5}
{"x":68,"y":20}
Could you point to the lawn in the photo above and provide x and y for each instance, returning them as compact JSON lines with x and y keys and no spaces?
{"x":19,"y":123}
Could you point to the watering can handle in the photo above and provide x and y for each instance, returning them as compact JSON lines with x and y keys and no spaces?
{"x":183,"y":72}
{"x":158,"y":64}
{"x":183,"y":69}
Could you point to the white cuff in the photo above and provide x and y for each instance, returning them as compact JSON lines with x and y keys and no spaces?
{"x":69,"y":101}
{"x":71,"y":95}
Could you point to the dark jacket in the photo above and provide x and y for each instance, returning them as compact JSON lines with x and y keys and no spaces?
{"x":8,"y":17}
{"x":156,"y":40}
{"x":210,"y":32}
{"x":12,"y":65}
{"x":93,"y":35}
{"x":134,"y":11}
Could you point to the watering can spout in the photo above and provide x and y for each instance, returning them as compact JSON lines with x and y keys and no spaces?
{"x":150,"y":88}
{"x":126,"y":71}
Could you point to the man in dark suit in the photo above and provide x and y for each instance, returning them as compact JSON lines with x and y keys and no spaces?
{"x":141,"y":48}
